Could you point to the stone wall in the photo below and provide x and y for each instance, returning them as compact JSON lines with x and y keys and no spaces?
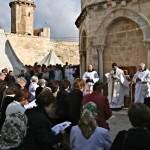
{"x":67,"y":51}
{"x":31,"y":49}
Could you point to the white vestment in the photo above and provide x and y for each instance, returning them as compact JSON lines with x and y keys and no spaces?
{"x":90,"y":75}
{"x":142,"y":88}
{"x":117,"y":88}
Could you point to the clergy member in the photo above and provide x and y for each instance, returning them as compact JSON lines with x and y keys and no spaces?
{"x":142,"y":80}
{"x":90,"y":77}
{"x":118,"y":87}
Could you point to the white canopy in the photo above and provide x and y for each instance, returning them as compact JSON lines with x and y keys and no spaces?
{"x":8,"y":58}
{"x":50,"y":59}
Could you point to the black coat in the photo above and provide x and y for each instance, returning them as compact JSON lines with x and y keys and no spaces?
{"x":39,"y":134}
{"x":136,"y":139}
{"x":9,"y":79}
{"x":6,"y":101}
{"x":62,"y":106}
{"x":51,"y":75}
{"x":38,"y":91}
{"x":75,"y":99}
{"x":3,"y":85}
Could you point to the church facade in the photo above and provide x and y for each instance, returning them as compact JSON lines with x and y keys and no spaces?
{"x":114,"y":31}
{"x":31,"y":45}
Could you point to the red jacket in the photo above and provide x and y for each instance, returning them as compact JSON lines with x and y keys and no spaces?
{"x":104,"y":111}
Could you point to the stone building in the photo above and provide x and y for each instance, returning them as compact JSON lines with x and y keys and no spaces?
{"x":114,"y":31}
{"x":30,"y":44}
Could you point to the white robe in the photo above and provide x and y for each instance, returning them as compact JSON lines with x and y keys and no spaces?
{"x":89,"y":85}
{"x":117,"y":89}
{"x":70,"y":75}
{"x":142,"y":88}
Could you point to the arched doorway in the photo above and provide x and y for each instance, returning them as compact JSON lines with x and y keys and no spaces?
{"x":124,"y":44}
{"x":139,"y":26}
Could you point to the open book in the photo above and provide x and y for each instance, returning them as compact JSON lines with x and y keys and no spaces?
{"x":30,"y":105}
{"x":109,"y":75}
{"x":61,"y":126}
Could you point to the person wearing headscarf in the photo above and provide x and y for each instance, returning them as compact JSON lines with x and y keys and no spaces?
{"x":87,"y":135}
{"x":13,"y":131}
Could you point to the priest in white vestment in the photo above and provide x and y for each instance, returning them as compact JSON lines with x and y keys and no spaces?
{"x":142,"y":80}
{"x":118,"y":87}
{"x":90,"y":77}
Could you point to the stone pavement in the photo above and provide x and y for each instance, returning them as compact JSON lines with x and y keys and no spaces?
{"x":119,"y":121}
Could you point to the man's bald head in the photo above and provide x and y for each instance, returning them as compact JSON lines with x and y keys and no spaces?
{"x":90,"y":67}
{"x":142,"y":66}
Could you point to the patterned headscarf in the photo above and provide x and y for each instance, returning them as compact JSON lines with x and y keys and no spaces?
{"x":13,"y":131}
{"x":87,"y":122}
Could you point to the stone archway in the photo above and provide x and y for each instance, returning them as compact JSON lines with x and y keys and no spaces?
{"x":124,"y":45}
{"x":101,"y":33}
{"x":143,"y":23}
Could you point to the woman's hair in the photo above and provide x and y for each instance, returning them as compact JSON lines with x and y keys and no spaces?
{"x":78,"y":84}
{"x":139,"y":115}
{"x":64,"y":84}
{"x":98,"y":86}
{"x":42,"y":82}
{"x":53,"y":85}
{"x":45,"y":98}
{"x":23,"y":93}
{"x":34,"y":78}
{"x":21,"y":80}
{"x":13,"y":89}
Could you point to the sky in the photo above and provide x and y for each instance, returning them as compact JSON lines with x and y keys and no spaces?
{"x":59,"y":15}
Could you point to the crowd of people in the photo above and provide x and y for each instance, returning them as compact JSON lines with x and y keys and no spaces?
{"x":60,"y":95}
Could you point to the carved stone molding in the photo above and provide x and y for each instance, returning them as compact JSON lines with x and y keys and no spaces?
{"x":100,"y":48}
{"x":82,"y":52}
{"x":147,"y":44}
{"x":21,"y":2}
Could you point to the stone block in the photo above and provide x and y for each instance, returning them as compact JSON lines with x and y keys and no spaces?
{"x":121,"y":35}
{"x":113,"y":4}
{"x":123,"y":3}
{"x":134,"y":1}
{"x":105,"y":6}
{"x":131,"y":34}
